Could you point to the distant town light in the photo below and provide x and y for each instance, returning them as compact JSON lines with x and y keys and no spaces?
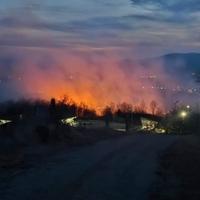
{"x":188,"y":106}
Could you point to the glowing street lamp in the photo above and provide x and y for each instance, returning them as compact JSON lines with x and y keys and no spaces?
{"x":183,"y":114}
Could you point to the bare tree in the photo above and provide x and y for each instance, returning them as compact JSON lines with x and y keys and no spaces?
{"x":153,"y":106}
{"x":107,"y":115}
{"x":125,"y":107}
{"x":126,"y":110}
{"x":53,"y":110}
{"x":141,"y":108}
{"x":159,"y":112}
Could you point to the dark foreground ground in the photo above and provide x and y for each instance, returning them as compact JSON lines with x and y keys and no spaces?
{"x":122,"y":168}
{"x":178,"y":175}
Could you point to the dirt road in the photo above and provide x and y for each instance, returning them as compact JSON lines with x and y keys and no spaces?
{"x":118,"y":169}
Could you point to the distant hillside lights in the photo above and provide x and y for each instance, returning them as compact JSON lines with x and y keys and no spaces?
{"x":175,"y":89}
{"x":188,"y":106}
{"x":2,"y":122}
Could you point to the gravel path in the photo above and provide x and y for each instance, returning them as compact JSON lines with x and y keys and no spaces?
{"x":118,"y":169}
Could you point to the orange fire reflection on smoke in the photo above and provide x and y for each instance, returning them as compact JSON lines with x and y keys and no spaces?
{"x":96,"y":80}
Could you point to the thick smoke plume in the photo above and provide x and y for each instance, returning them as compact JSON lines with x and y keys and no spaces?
{"x":93,"y":78}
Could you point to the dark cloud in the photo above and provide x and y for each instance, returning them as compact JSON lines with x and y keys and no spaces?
{"x":99,"y":24}
{"x":173,"y":5}
{"x":23,"y":40}
{"x":17,"y":21}
{"x":102,"y":23}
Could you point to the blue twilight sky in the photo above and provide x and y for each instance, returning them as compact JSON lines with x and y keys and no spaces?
{"x":145,"y":27}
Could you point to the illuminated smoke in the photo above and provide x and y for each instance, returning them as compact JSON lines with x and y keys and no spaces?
{"x":93,"y":78}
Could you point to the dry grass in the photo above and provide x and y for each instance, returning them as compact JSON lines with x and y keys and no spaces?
{"x":179,"y":172}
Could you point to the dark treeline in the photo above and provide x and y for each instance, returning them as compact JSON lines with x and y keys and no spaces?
{"x":26,"y":109}
{"x":64,"y":108}
{"x":45,"y":113}
{"x":51,"y":112}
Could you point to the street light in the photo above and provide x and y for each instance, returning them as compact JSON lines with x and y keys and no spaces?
{"x":183,"y":114}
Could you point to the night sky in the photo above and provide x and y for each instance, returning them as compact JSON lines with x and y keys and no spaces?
{"x":51,"y":48}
